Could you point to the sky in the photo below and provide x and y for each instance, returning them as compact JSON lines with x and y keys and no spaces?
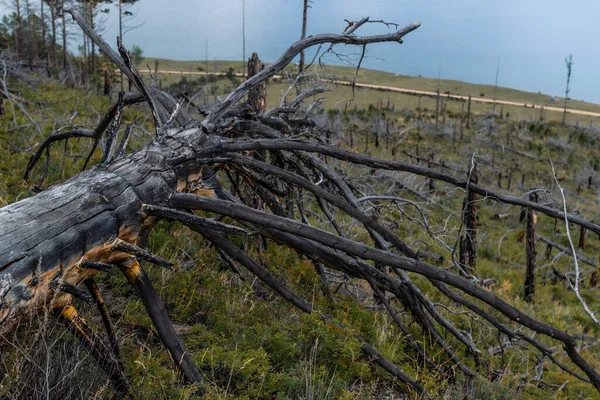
{"x":459,"y":39}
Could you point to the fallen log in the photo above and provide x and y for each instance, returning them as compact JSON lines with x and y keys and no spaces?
{"x":73,"y":231}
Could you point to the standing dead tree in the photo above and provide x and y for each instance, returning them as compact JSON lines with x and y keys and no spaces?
{"x":468,"y":242}
{"x":569,"y":65}
{"x":71,"y":232}
{"x":303,"y":35}
{"x":530,"y":218}
{"x":257,"y":96}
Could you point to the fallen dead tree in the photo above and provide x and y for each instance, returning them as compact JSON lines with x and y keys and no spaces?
{"x":92,"y":223}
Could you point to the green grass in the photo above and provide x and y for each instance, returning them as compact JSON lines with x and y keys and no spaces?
{"x":248,"y":347}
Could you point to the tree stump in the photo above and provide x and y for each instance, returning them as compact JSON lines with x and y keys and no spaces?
{"x":257,"y":96}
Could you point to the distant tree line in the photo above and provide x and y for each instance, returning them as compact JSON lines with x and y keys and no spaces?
{"x":39,"y":34}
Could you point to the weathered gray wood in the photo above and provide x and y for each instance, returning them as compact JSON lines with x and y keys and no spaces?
{"x":468,"y":242}
{"x":257,"y":96}
{"x":531,"y":249}
{"x":46,"y":236}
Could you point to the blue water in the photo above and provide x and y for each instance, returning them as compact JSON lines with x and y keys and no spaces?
{"x":460,"y":39}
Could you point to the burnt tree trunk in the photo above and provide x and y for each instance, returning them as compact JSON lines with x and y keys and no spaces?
{"x":64,"y":40}
{"x":469,"y":113}
{"x":53,"y":24}
{"x":257,"y":96}
{"x":582,"y":234}
{"x":91,"y":214}
{"x":531,"y":239}
{"x":462,"y":120}
{"x":302,"y":36}
{"x":419,"y":117}
{"x":468,"y":242}
{"x":107,"y":82}
{"x":437,"y":109}
{"x":18,"y":30}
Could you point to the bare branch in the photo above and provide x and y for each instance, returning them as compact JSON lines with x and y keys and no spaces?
{"x":574,"y":286}
{"x":292,"y":52}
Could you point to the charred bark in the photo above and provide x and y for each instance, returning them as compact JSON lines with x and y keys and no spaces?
{"x":531,"y":221}
{"x":257,"y":96}
{"x":468,"y":242}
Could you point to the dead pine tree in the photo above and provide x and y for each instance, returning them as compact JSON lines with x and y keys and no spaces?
{"x":429,"y":165}
{"x":96,"y":219}
{"x":569,"y":65}
{"x":107,"y":81}
{"x":510,"y":175}
{"x":469,"y":113}
{"x":454,"y":137}
{"x":468,"y":241}
{"x":437,"y":109}
{"x":378,"y":122}
{"x":387,"y":130}
{"x":582,"y":235}
{"x":257,"y":96}
{"x":302,"y":36}
{"x":530,"y":218}
{"x":419,"y":117}
{"x":462,"y":119}
{"x":444,"y":115}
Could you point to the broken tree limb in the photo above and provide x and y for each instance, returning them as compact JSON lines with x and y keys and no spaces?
{"x":164,"y":103}
{"x":303,"y":44}
{"x":155,"y":308}
{"x":531,"y":250}
{"x":344,"y":155}
{"x":193,"y":220}
{"x":142,"y":254}
{"x":567,"y":251}
{"x":90,"y":283}
{"x":84,"y":333}
{"x":96,"y":133}
{"x":412,"y":297}
{"x":103,"y":267}
{"x":304,"y":305}
{"x":353,"y":248}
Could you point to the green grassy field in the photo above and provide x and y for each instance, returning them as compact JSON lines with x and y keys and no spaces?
{"x":251,"y":348}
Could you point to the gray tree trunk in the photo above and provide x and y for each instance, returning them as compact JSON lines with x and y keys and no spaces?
{"x":257,"y":97}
